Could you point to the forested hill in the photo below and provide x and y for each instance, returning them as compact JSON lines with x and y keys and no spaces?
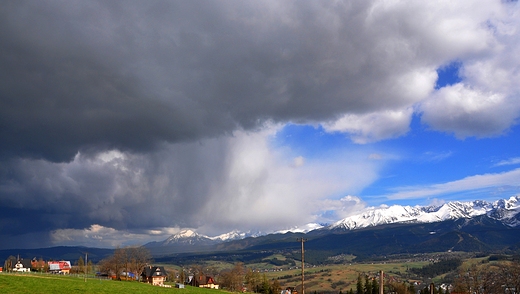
{"x":71,"y":253}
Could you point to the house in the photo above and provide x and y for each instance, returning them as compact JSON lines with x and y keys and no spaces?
{"x":128,"y":276}
{"x":203,"y":282}
{"x":155,"y":275}
{"x":37,"y":265}
{"x":59,"y":267}
{"x":22,"y":265}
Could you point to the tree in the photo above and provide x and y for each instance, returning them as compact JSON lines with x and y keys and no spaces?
{"x":81,"y":264}
{"x":89,"y":266}
{"x":9,"y":263}
{"x":265,"y":287}
{"x":182,"y":276}
{"x":471,"y":280}
{"x":233,"y":279}
{"x":359,"y":285}
{"x":130,"y":259}
{"x":374,"y":286}
{"x":367,"y":288}
{"x":403,"y":288}
{"x":252,"y":280}
{"x":275,"y":287}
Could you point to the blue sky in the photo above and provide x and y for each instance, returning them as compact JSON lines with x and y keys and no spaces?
{"x":124,"y":124}
{"x":422,"y":157}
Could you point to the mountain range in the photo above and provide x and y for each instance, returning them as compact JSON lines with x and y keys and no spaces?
{"x":476,"y":226}
{"x":462,"y":225}
{"x":502,"y":210}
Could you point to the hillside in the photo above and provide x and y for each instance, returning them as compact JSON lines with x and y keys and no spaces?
{"x":57,"y":284}
{"x":479,"y":234}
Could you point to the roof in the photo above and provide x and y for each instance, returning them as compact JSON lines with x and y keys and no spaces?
{"x":202,"y":280}
{"x":26,"y":263}
{"x":59,"y":265}
{"x":154,"y":271}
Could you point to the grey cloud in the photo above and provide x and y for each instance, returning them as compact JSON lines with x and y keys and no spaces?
{"x":135,"y":192}
{"x":97,"y":75}
{"x":215,"y":184}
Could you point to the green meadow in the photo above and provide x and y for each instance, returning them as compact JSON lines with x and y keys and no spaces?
{"x":55,"y":284}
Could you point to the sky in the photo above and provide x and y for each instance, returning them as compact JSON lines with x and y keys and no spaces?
{"x":123,"y":122}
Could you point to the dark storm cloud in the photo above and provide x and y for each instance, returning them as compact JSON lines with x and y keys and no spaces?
{"x":115,"y":190}
{"x":96,"y":75}
{"x":69,"y":83}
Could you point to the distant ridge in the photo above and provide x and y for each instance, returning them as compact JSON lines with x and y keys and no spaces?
{"x":504,"y":210}
{"x":71,"y":253}
{"x":501,"y":210}
{"x":476,"y":226}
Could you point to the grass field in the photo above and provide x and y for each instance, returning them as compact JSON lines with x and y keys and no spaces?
{"x":333,"y":278}
{"x":55,"y":284}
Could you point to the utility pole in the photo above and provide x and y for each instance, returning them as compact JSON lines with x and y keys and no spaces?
{"x":86,"y":265}
{"x":381,"y":284}
{"x":302,"y":240}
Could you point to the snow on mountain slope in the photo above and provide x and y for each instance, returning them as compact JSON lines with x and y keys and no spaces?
{"x":186,"y":237}
{"x":505,"y":210}
{"x":502,"y":210}
{"x":190,"y":237}
{"x":236,"y":235}
{"x":303,"y":229}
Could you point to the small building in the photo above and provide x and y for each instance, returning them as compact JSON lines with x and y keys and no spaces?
{"x":128,"y":276}
{"x":59,"y":267}
{"x":155,"y":275}
{"x":203,"y":282}
{"x":37,"y":265}
{"x":22,"y":266}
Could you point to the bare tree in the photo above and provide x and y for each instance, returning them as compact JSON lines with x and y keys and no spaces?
{"x":9,"y":263}
{"x":81,"y":265}
{"x":252,"y":280}
{"x":470,"y":280}
{"x":129,"y":259}
{"x":139,"y":258}
{"x":233,"y":279}
{"x":500,"y":277}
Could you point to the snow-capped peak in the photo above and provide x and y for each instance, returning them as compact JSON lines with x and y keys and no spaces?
{"x":233,"y":235}
{"x":503,"y":210}
{"x":303,"y":229}
{"x":184,"y":236}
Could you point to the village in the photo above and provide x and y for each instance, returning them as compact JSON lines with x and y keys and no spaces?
{"x":151,"y":274}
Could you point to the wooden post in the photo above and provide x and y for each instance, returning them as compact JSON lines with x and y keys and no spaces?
{"x":381,"y":285}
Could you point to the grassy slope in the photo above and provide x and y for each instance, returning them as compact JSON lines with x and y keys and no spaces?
{"x":37,"y":283}
{"x":343,"y":276}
